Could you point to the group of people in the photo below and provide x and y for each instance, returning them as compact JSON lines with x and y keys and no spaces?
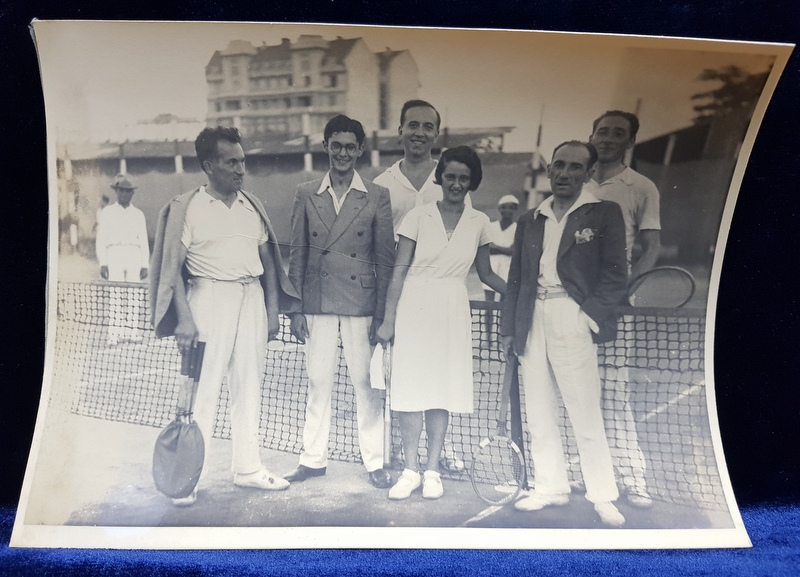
{"x":386,"y":262}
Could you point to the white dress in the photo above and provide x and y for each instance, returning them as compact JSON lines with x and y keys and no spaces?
{"x":432,"y":360}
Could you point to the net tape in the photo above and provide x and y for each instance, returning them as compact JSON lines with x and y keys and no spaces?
{"x":654,"y":390}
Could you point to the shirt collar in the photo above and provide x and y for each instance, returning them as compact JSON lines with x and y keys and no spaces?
{"x":239,"y":198}
{"x":395,"y":171}
{"x":546,"y":206}
{"x":626,"y":176}
{"x":356,"y":184}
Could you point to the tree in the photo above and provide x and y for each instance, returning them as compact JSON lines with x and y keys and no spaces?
{"x":738,"y":94}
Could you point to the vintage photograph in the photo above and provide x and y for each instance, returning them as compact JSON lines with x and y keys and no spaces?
{"x":319,"y":285}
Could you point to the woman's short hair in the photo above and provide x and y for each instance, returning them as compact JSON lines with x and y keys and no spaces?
{"x":466,"y":156}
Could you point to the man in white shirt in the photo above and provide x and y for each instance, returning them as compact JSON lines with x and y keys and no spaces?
{"x":410,"y":184}
{"x":614,"y":134}
{"x":123,"y":252}
{"x":341,"y":262}
{"x":217,"y":278}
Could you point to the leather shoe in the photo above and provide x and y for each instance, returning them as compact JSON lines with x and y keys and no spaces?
{"x":301,"y":473}
{"x":380,"y":478}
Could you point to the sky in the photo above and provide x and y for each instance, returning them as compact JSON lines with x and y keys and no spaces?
{"x":99,"y":77}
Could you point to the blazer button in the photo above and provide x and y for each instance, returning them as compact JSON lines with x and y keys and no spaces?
{"x":360,"y":233}
{"x":353,"y":255}
{"x":352,"y":277}
{"x":324,"y":274}
{"x":325,"y":252}
{"x":313,"y":234}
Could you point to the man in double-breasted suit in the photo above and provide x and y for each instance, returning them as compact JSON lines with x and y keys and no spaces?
{"x":341,"y":262}
{"x":568,"y":273}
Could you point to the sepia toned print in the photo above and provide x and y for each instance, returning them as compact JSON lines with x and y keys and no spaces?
{"x":158,"y":241}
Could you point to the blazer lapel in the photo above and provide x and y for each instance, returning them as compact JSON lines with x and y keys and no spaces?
{"x":575,"y":223}
{"x":353,"y":204}
{"x":323,"y":204}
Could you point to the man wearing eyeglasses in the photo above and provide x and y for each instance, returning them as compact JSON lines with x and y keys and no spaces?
{"x":341,"y":262}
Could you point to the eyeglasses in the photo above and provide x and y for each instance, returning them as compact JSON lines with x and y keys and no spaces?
{"x":336,"y":147}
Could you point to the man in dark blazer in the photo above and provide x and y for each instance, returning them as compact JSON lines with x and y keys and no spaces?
{"x":341,"y":262}
{"x":568,"y":273}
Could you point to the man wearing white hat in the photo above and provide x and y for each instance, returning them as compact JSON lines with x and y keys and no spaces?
{"x":502,"y":234}
{"x":124,"y":254}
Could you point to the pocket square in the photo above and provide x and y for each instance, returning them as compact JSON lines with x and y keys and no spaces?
{"x":584,"y":236}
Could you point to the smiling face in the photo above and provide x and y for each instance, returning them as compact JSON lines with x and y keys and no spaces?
{"x":456,"y":179}
{"x":419,"y":131}
{"x":343,"y":150}
{"x":612,"y":138}
{"x":569,"y":171}
{"x":226,"y":171}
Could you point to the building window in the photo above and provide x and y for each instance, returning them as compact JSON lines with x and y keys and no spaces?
{"x":304,"y":101}
{"x":333,"y":80}
{"x":306,"y":81}
{"x":219,"y":106}
{"x":287,"y":102}
{"x":233,"y":105}
{"x":332,"y":100}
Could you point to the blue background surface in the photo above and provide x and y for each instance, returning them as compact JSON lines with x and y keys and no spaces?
{"x":756,"y":355}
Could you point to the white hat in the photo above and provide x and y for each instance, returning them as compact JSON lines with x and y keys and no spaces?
{"x":508,"y":199}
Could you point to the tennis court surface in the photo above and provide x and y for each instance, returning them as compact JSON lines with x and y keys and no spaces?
{"x":109,"y":400}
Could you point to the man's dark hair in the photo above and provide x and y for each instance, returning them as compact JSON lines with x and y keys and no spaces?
{"x":632,"y":119}
{"x":417,"y":103}
{"x":465,"y":155}
{"x":342,"y":123}
{"x":205,"y":145}
{"x":587,"y":145}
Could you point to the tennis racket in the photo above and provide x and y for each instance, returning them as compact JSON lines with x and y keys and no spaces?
{"x":663,"y":286}
{"x":387,"y":406}
{"x":179,"y":450}
{"x":497,"y":470}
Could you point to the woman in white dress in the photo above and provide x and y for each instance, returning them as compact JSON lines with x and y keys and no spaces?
{"x":428,"y":319}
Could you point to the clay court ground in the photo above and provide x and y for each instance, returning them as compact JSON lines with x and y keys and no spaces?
{"x":93,"y":472}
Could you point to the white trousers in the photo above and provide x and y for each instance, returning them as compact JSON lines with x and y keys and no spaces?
{"x":124,"y":265}
{"x":322,"y":346}
{"x":561,"y":357}
{"x":231,"y":319}
{"x":623,"y":437}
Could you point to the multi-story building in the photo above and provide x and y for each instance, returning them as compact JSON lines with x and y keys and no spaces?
{"x":294,"y":88}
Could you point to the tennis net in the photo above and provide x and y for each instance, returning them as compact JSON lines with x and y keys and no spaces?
{"x":108,"y":365}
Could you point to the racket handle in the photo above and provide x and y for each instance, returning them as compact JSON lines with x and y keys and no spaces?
{"x":198,"y":351}
{"x":186,"y":362}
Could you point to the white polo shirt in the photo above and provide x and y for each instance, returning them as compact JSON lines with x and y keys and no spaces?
{"x":222,"y":242}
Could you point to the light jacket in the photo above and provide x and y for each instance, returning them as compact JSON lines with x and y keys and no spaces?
{"x":164,"y":273}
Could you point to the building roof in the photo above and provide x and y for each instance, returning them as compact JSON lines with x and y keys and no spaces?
{"x":338,"y":50}
{"x":278,"y":52}
{"x":266,"y":144}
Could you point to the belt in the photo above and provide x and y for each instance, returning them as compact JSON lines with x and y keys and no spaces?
{"x":550,"y":293}
{"x":245,"y":280}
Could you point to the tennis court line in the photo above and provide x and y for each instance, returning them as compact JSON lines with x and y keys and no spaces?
{"x":690,"y":391}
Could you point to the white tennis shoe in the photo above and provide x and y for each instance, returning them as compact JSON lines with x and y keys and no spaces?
{"x":432,"y":485}
{"x":408,"y":482}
